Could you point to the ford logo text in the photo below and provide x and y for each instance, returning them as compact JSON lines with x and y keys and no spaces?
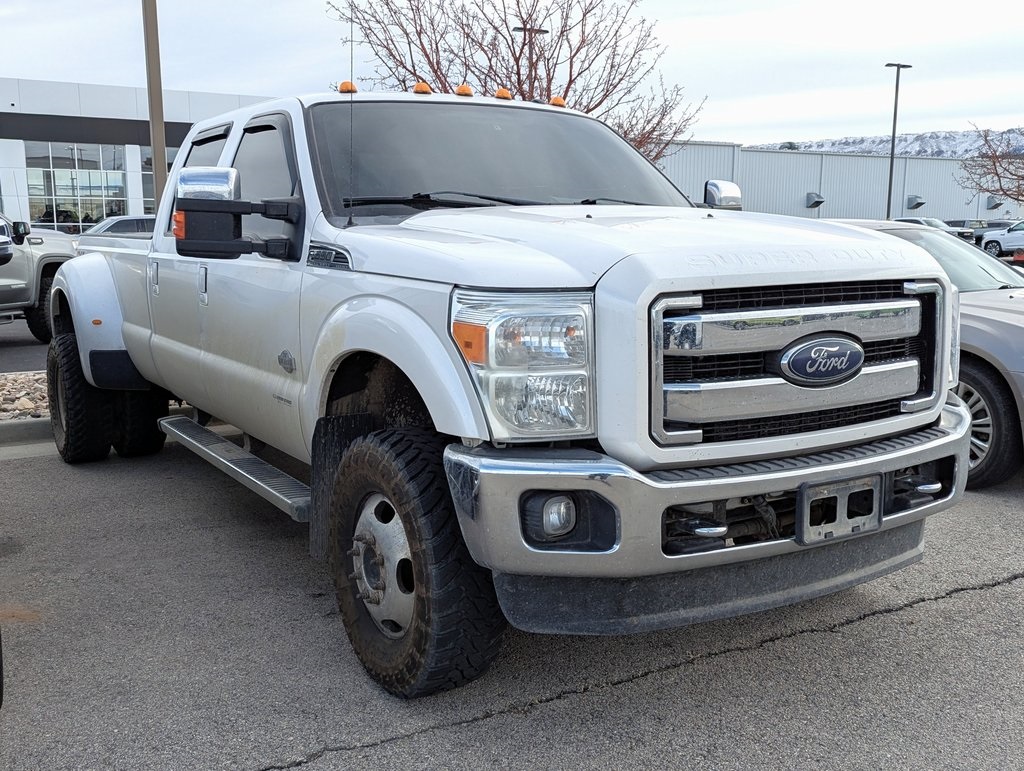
{"x":822,"y":361}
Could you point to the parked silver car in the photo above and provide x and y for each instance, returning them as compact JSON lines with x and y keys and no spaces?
{"x":991,"y":346}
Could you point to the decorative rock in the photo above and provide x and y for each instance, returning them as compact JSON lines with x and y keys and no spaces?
{"x":23,"y":395}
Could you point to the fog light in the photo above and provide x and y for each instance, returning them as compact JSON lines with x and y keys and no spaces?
{"x":559,"y":516}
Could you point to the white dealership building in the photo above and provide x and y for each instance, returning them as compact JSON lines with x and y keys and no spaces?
{"x":74,"y":153}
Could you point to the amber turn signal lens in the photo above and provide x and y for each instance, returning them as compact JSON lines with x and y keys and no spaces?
{"x":178,"y":224}
{"x":472,"y":341}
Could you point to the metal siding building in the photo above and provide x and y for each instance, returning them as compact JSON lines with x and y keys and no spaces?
{"x":779,"y":181}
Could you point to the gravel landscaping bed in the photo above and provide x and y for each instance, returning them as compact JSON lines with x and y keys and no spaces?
{"x":23,"y":396}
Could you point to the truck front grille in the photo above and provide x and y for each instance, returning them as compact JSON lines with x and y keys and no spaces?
{"x":717,"y":374}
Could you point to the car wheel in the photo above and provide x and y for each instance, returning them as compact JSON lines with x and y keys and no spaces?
{"x":80,"y":413}
{"x":996,"y":451}
{"x":38,"y":318}
{"x":992,"y":247}
{"x":422,"y":616}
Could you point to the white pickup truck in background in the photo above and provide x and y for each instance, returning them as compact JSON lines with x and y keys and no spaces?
{"x":534,"y":384}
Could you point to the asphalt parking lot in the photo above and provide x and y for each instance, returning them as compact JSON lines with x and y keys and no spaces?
{"x":157,"y":615}
{"x":19,"y":350}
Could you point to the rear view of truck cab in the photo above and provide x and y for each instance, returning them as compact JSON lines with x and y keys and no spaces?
{"x":534,"y":383}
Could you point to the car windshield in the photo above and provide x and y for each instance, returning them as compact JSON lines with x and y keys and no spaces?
{"x":970,"y":269}
{"x":410,"y":156}
{"x":934,"y":223}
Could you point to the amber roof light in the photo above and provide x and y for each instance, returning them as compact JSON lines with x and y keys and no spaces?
{"x":557,"y":101}
{"x":502,"y":93}
{"x":464,"y":90}
{"x":421,"y":88}
{"x":347,"y":87}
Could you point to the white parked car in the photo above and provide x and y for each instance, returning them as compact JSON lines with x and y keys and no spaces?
{"x":1008,"y":240}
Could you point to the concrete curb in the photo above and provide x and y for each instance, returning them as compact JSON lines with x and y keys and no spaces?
{"x":25,"y":431}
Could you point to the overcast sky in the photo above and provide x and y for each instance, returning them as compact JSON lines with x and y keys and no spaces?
{"x":772,"y":71}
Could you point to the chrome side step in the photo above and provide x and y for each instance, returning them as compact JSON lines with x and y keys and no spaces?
{"x":287,"y":493}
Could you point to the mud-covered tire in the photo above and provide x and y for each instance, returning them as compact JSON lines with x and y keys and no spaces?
{"x":80,"y":414}
{"x":454,"y":625}
{"x":996,"y":452}
{"x":136,"y":432}
{"x":38,"y":318}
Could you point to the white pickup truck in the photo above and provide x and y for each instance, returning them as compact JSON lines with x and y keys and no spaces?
{"x":534,"y":384}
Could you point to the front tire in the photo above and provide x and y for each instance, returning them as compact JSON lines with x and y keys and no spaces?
{"x":993,"y":248}
{"x":38,"y":318}
{"x":80,"y":414}
{"x":996,"y":451}
{"x":422,"y":617}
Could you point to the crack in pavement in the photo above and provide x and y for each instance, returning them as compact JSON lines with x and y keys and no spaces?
{"x":527,"y":707}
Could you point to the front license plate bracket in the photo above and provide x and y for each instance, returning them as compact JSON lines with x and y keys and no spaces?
{"x":833,"y":510}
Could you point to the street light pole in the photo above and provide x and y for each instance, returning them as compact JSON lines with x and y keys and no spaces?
{"x":154,"y":87}
{"x":529,"y":32}
{"x":892,"y":146}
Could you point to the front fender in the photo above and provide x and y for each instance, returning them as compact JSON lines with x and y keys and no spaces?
{"x":383,"y":327}
{"x":86,"y":283}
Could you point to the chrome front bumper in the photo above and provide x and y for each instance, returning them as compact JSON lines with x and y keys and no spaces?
{"x":487,"y":486}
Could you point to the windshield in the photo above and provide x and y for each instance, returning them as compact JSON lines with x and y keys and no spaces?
{"x":969,"y":268}
{"x":934,"y":223}
{"x":419,"y":155}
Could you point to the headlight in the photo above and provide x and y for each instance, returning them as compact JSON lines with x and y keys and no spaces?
{"x":953,"y":376}
{"x":531,"y":357}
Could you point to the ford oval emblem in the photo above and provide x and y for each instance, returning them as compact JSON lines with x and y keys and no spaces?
{"x":822,"y":361}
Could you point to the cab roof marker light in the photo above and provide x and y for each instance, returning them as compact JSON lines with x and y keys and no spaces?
{"x":502,"y":93}
{"x":557,"y":101}
{"x":422,"y":88}
{"x":347,"y":87}
{"x":464,"y":90}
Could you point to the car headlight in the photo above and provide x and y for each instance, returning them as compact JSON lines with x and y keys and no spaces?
{"x":953,"y":376}
{"x":531,"y":357}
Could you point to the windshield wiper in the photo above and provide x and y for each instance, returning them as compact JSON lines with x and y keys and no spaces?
{"x":599,"y":199}
{"x":433,"y":200}
{"x":434,"y":196}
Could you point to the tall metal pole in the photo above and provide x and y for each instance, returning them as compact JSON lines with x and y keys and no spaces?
{"x":154,"y":88}
{"x":892,"y":146}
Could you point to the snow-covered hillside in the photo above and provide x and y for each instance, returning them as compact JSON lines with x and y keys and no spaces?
{"x":934,"y":144}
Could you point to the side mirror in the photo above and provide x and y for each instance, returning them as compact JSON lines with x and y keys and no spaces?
{"x":6,"y":250}
{"x":207,"y":219}
{"x":20,"y":230}
{"x":721,"y":194}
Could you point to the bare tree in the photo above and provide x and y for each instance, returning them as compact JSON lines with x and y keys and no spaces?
{"x":597,"y":55}
{"x":998,"y":168}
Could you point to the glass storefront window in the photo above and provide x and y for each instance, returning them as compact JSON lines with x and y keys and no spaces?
{"x":91,"y":210}
{"x":40,"y":211}
{"x":147,"y":186}
{"x":115,"y":187}
{"x":87,"y":156}
{"x":112,"y":157}
{"x":37,"y":155}
{"x":40,"y":182}
{"x":72,"y":186}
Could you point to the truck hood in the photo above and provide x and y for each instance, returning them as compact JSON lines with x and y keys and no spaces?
{"x":574,"y":246}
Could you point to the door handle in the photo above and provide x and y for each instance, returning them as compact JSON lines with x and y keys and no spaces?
{"x":154,"y":277}
{"x":203,"y":297}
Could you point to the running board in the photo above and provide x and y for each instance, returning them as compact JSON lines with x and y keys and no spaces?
{"x":287,"y":493}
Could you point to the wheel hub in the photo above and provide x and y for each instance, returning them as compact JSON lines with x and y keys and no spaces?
{"x":382,"y":566}
{"x":981,"y":424}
